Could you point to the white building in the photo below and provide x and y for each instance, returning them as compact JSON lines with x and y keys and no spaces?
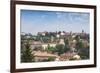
{"x":50,"y":44}
{"x":61,"y":42}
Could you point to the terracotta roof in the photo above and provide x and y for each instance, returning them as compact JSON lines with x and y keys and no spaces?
{"x":66,"y":56}
{"x":43,"y":54}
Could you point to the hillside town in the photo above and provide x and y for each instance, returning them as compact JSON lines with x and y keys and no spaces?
{"x":54,"y":46}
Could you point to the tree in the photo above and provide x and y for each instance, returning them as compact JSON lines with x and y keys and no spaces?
{"x":50,"y":49}
{"x":66,"y":45}
{"x":79,"y":45}
{"x":83,"y":52}
{"x":37,"y":38}
{"x":40,"y":48}
{"x":26,"y":55}
{"x":51,"y":59}
{"x":66,"y":41}
{"x":23,"y":37}
{"x":60,"y":49}
{"x":45,"y":39}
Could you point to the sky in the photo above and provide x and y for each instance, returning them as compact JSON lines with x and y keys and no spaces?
{"x":34,"y":21}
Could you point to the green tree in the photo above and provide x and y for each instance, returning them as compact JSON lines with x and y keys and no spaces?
{"x":38,"y":38}
{"x":66,"y":45}
{"x":23,"y":37}
{"x":66,"y":41}
{"x":79,"y":45}
{"x":51,"y":59}
{"x":60,"y":49}
{"x":83,"y":52}
{"x":50,"y":49}
{"x":26,"y":55}
{"x":40,"y":48}
{"x":45,"y":39}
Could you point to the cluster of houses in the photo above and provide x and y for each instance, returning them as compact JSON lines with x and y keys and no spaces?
{"x":57,"y":38}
